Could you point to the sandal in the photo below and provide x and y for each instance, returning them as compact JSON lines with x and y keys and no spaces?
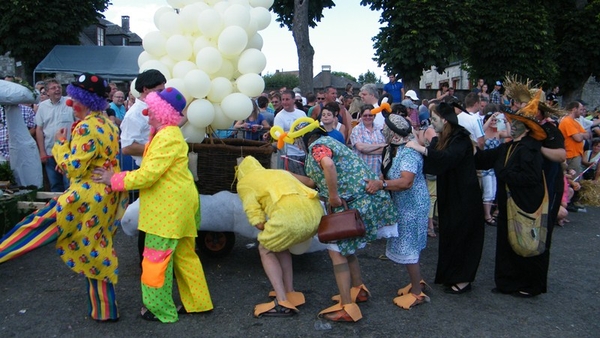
{"x":294,"y":297}
{"x":491,"y":222}
{"x":410,"y":300}
{"x":431,"y":233}
{"x":342,"y":313}
{"x":406,"y":290}
{"x":358,"y":294}
{"x":456,"y":290}
{"x":149,"y":316}
{"x":275,"y":309}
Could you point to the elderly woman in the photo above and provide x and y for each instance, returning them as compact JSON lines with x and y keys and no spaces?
{"x":403,"y":176}
{"x":367,"y":140}
{"x":287,"y":213}
{"x":450,"y":157}
{"x":169,"y":211}
{"x":518,"y":168}
{"x":339,"y":174}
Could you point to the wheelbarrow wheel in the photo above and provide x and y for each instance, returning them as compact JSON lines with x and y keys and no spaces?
{"x":215,"y":244}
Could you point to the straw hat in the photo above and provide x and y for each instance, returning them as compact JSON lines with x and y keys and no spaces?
{"x":528,"y":115}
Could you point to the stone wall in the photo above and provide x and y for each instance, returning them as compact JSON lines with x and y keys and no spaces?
{"x":7,"y":65}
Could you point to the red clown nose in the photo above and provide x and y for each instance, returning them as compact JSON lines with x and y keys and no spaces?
{"x":145,"y":112}
{"x":69,"y":103}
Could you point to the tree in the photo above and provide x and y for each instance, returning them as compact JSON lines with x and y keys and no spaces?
{"x":278,"y":80}
{"x":368,"y":77}
{"x":298,"y":16}
{"x":344,"y":75}
{"x":29,"y":29}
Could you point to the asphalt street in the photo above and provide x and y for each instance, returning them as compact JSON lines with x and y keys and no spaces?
{"x":39,"y":297}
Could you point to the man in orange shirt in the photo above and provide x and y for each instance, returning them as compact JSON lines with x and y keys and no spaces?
{"x":574,"y":134}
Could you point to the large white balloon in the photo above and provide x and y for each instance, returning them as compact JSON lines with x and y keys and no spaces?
{"x":250,"y":84}
{"x":232,"y":40}
{"x":261,"y":16}
{"x":181,"y":68}
{"x":209,"y":59}
{"x":210,"y":23}
{"x":221,"y":7}
{"x":159,"y":12}
{"x":179,"y":84}
{"x":227,"y":69}
{"x":220,"y":87}
{"x":201,"y":42}
{"x":261,"y":3}
{"x":155,"y":64}
{"x":170,"y":24}
{"x":198,"y":83}
{"x":143,"y":57}
{"x":200,"y":113}
{"x":179,"y":48}
{"x":236,"y":15}
{"x":252,"y":61}
{"x":189,"y":16}
{"x":221,"y":121}
{"x":154,"y":43}
{"x":256,"y":42}
{"x":132,"y":89}
{"x":193,"y":134}
{"x":167,"y":61}
{"x":237,"y":106}
{"x":176,"y":3}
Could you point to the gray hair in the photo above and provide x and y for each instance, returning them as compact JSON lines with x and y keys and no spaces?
{"x":370,"y":88}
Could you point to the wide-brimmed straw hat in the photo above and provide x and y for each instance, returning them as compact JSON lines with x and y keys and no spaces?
{"x":528,"y":115}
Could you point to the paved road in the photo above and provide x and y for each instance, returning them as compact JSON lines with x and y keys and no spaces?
{"x":39,"y":297}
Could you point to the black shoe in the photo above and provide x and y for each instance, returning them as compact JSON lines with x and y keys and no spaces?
{"x":572,"y":208}
{"x":455,"y":290}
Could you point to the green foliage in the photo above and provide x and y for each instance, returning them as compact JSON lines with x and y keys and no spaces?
{"x":29,"y":29}
{"x":6,"y":173}
{"x":368,"y":77}
{"x":344,"y":75}
{"x":285,"y":11}
{"x":278,"y":80}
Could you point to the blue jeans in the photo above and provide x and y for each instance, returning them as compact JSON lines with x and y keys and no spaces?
{"x":58,"y":181}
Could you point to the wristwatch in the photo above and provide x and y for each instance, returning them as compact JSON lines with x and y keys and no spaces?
{"x":384,"y":184}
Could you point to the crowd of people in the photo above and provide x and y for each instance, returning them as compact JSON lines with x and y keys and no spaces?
{"x":406,"y":165}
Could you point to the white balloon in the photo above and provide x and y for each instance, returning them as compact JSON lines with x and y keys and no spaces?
{"x":221,"y":121}
{"x":210,"y":23}
{"x":154,"y":43}
{"x":236,"y":15}
{"x":167,"y":61}
{"x":189,"y":16}
{"x":261,"y":16}
{"x":159,"y":12}
{"x":132,"y":89}
{"x":261,"y":3}
{"x":179,"y":48}
{"x":225,"y":71}
{"x":201,"y":42}
{"x":209,"y":59}
{"x":250,"y":84}
{"x":175,"y":3}
{"x":170,"y":24}
{"x":155,"y":64}
{"x":232,"y":40}
{"x":252,"y":28}
{"x":240,"y":2}
{"x":200,"y":113}
{"x":179,"y":84}
{"x":237,"y":106}
{"x":181,"y":68}
{"x":221,"y":7}
{"x":219,"y":88}
{"x":256,"y":42}
{"x":143,"y":57}
{"x":198,"y":83}
{"x":193,"y":134}
{"x":252,"y":61}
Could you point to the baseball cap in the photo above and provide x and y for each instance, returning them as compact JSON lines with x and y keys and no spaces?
{"x":498,"y":83}
{"x":413,"y":96}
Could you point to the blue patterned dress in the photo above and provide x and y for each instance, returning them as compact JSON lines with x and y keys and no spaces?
{"x":413,"y":207}
{"x":377,"y":210}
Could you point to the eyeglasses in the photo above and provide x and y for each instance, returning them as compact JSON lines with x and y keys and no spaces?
{"x":320,"y":98}
{"x":368,"y":116}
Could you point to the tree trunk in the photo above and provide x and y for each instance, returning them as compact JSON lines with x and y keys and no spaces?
{"x":305,"y":49}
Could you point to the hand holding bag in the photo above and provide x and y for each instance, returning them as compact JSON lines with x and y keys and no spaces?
{"x":340,"y":225}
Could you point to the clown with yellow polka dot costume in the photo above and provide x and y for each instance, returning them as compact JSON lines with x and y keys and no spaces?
{"x":169,"y":213}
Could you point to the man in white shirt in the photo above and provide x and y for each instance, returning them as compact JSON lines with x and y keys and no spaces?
{"x":293,"y":160}
{"x":469,"y":120}
{"x":369,"y":95}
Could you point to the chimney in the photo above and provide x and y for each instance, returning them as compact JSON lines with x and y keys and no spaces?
{"x":125,"y":23}
{"x":326,"y":70}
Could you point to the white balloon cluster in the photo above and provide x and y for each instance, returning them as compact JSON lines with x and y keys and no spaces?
{"x":210,"y":50}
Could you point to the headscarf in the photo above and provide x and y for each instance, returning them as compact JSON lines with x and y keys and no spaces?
{"x":397,"y":130}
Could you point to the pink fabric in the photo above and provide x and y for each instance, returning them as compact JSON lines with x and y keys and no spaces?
{"x":117,"y":182}
{"x":156,"y":256}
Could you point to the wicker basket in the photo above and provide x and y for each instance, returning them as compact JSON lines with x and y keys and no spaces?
{"x":217,"y":159}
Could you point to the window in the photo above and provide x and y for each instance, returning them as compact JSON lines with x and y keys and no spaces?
{"x":100,"y":36}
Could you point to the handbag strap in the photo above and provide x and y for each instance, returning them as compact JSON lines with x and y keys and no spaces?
{"x":330,"y":210}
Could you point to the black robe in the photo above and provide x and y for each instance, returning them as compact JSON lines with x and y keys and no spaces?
{"x":523,"y":175}
{"x":460,"y":209}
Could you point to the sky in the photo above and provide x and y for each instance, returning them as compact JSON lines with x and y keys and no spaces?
{"x":341,"y":40}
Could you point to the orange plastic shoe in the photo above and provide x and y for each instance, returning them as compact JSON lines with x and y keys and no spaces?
{"x":358,"y":294}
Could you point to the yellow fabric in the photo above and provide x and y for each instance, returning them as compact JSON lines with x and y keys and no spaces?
{"x":168,"y":197}
{"x":294,"y":210}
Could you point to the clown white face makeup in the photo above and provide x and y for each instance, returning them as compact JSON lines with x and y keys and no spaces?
{"x":517,"y":129}
{"x":437,"y":122}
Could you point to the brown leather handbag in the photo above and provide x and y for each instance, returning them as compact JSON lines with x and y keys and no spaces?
{"x":340,"y":225}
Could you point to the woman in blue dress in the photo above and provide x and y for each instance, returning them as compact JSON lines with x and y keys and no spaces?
{"x":403,"y":176}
